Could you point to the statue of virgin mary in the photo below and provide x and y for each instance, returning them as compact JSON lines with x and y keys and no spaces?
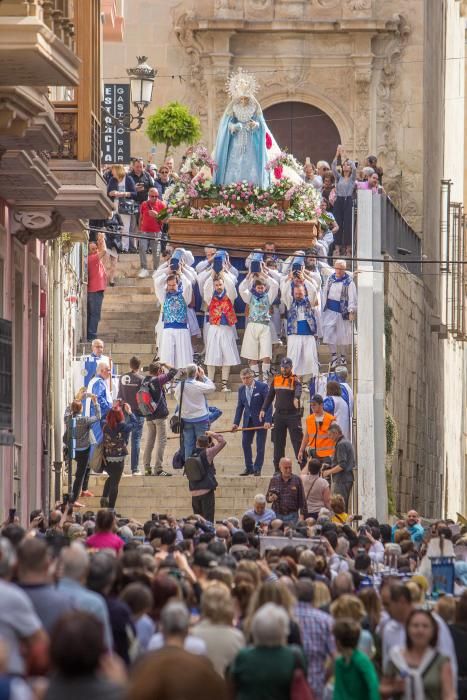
{"x":240,"y":151}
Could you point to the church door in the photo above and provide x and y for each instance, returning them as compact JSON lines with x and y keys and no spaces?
{"x":303,"y":130}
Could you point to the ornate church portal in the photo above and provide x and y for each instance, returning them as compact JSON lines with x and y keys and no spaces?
{"x":303,"y":130}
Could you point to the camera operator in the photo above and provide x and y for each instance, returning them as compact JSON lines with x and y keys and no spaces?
{"x":194,"y":409}
{"x":127,"y":389}
{"x":342,"y":465}
{"x":156,"y":423}
{"x":203,"y":490}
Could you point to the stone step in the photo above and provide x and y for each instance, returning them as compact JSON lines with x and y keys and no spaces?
{"x":150,"y":316}
{"x":139,"y":497}
{"x":131,"y":347}
{"x":145,"y":286}
{"x":128,"y":300}
{"x":112,"y":335}
{"x":126,"y":323}
{"x":123,"y":359}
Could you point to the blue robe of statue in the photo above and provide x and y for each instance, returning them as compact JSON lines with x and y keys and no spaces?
{"x":241,"y":151}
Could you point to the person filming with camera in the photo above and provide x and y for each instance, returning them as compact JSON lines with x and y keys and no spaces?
{"x":194,"y":411}
{"x":201,"y":473}
{"x":153,"y":405}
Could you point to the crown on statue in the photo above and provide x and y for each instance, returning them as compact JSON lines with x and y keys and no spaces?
{"x":241,"y":84}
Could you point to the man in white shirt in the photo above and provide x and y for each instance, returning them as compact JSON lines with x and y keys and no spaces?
{"x":194,"y":410}
{"x":259,"y":293}
{"x":339,"y":310}
{"x":174,"y":292}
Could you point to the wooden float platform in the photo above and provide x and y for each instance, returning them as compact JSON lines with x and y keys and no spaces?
{"x":195,"y":234}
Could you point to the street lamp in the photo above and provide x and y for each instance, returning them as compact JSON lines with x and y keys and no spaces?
{"x":141,"y":86}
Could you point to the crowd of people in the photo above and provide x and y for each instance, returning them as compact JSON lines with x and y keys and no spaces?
{"x":98,"y":428}
{"x":96,"y":605}
{"x":137,"y":193}
{"x":290,"y":304}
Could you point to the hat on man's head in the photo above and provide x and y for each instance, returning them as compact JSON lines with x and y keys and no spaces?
{"x":317,"y":398}
{"x":286,"y":362}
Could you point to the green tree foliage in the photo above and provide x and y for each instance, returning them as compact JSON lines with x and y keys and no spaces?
{"x":173,"y":125}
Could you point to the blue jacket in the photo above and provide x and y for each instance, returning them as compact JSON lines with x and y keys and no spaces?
{"x":129,"y":186}
{"x":417,"y":532}
{"x":251,"y":412}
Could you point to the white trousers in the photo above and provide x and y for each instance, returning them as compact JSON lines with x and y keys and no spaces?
{"x":336,"y":331}
{"x":303,"y":352}
{"x":257,"y":342}
{"x":175,"y":347}
{"x":221,"y":346}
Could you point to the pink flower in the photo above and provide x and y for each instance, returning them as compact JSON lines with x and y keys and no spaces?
{"x":268,"y":141}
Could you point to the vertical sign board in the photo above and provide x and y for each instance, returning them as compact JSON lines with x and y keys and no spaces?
{"x":115,"y":139}
{"x":6,"y":382}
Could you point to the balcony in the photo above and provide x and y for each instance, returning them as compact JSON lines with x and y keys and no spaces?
{"x":75,"y":162}
{"x":37,"y":43}
{"x":114,"y":23}
{"x":27,"y":120}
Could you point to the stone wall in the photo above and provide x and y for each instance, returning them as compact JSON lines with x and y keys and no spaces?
{"x":427,"y":399}
{"x":416,"y":363}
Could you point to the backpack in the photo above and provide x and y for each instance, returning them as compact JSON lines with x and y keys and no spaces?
{"x":146,"y":404}
{"x":194,"y":468}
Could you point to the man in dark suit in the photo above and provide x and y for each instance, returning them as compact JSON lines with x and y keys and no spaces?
{"x":251,"y":397}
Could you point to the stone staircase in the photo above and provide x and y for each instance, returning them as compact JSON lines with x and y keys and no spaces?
{"x":129,"y":314}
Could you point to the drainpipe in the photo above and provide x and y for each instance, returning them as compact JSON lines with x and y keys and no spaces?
{"x":56,"y":344}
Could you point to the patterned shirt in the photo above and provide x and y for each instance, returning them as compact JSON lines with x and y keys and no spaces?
{"x":291,"y":496}
{"x":318,"y":643}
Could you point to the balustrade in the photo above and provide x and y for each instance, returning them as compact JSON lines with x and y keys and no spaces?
{"x":56,"y":14}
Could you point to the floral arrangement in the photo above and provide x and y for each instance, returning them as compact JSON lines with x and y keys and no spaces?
{"x":200,"y":157}
{"x":282,"y":160}
{"x":223,"y":213}
{"x":241,"y":202}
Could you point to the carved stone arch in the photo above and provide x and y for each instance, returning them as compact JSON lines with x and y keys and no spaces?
{"x":341,"y":119}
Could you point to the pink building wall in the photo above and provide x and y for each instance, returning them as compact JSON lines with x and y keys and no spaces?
{"x":21,"y":480}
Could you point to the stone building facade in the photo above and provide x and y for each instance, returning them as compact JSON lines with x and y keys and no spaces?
{"x":389,"y":78}
{"x":50,"y":183}
{"x":360,"y":62}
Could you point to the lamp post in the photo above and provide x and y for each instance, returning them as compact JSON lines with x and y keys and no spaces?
{"x":141,"y":87}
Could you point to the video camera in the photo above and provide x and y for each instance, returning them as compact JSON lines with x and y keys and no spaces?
{"x":176,"y":260}
{"x":297,"y":265}
{"x":256,"y":260}
{"x":219,"y":261}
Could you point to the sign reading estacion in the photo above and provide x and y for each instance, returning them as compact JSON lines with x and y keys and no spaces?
{"x":115,"y":139}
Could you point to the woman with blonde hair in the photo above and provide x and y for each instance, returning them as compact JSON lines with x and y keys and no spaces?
{"x":372,"y":604}
{"x":351,"y":608}
{"x":121,"y":189}
{"x":322,"y":597}
{"x":340,"y":517}
{"x":216,"y":629}
{"x":279,"y":594}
